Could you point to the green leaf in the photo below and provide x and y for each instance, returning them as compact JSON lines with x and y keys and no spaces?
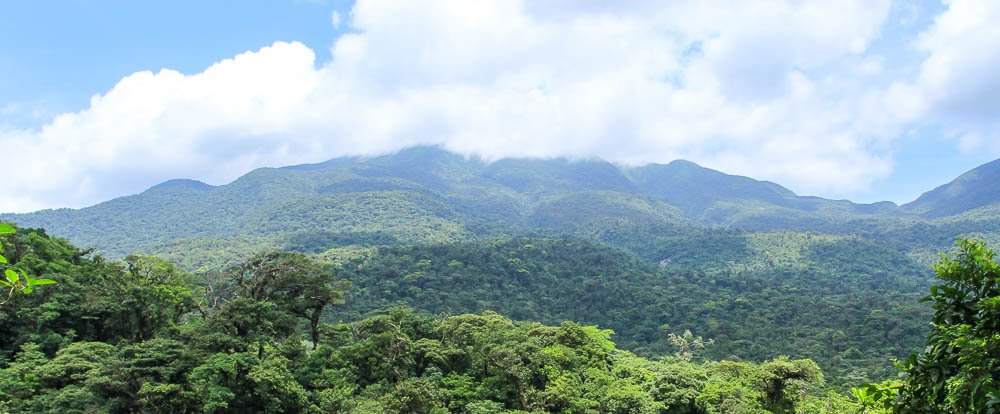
{"x":11,"y":275}
{"x":6,"y":229}
{"x":3,"y":259}
{"x":36,"y":282}
{"x":5,"y":283}
{"x":28,"y":290}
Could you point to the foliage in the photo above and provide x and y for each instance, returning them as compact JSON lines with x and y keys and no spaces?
{"x":293,"y":282}
{"x":15,"y":281}
{"x":796,"y":302}
{"x":141,"y":336}
{"x":687,"y":344}
{"x":877,"y":398}
{"x":743,"y":261}
{"x":427,"y":195}
{"x":774,"y":386}
{"x":637,"y":250}
{"x":959,"y":369}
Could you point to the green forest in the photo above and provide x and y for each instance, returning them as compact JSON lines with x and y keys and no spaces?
{"x":424,"y":281}
{"x":364,"y":332}
{"x":500,"y":207}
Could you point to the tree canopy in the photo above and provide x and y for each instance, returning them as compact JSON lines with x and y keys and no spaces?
{"x":14,"y":280}
{"x":959,"y":369}
{"x":142,"y":336}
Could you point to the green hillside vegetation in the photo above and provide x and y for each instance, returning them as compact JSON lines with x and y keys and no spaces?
{"x":712,"y":197}
{"x":426,"y":194}
{"x":793,"y":300}
{"x":643,"y":251}
{"x":142,"y":336}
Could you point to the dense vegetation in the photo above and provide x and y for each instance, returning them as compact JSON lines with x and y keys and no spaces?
{"x":427,"y":195}
{"x":959,"y":369}
{"x":141,"y":336}
{"x":15,"y":281}
{"x":757,"y":306}
{"x":646,"y":252}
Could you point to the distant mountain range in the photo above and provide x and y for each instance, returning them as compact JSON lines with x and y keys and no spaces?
{"x":426,"y":194}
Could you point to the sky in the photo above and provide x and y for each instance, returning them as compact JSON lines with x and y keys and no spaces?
{"x":866,"y":100}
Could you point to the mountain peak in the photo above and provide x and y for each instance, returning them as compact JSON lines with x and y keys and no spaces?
{"x":694,"y":188}
{"x":679,"y":163}
{"x":181,"y":183}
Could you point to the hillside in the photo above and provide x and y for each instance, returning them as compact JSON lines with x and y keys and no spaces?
{"x":426,"y":195}
{"x":643,"y":251}
{"x":107,"y":332}
{"x":976,"y":188}
{"x":700,"y":249}
{"x":768,"y":292}
{"x":141,"y":336}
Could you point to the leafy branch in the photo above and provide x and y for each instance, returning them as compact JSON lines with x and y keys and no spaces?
{"x":17,"y":282}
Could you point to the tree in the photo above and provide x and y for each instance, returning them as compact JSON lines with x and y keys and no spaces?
{"x":293,"y":282}
{"x":246,"y":382}
{"x":687,"y":344}
{"x":776,"y":386}
{"x":149,"y":295}
{"x":16,"y":281}
{"x":959,"y":369}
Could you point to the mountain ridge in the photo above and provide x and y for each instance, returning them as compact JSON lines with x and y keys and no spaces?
{"x":690,"y":247}
{"x":978,"y":187}
{"x":427,"y":194}
{"x":628,"y":171}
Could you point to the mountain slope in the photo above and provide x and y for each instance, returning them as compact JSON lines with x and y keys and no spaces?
{"x":766,"y":294}
{"x":426,"y":194}
{"x":976,"y":188}
{"x":650,"y":249}
{"x":695,"y":189}
{"x":715,"y":198}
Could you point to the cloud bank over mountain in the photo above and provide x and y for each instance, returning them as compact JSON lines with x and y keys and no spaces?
{"x":795,"y":92}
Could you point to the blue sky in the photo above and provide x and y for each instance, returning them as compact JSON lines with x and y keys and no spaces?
{"x":867,"y":100}
{"x":56,"y":54}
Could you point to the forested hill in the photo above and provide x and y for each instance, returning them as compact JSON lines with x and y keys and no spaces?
{"x":428,"y":195}
{"x":849,"y":315}
{"x":141,"y":335}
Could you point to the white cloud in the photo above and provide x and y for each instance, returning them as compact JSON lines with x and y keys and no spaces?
{"x":959,"y":81}
{"x":776,"y":90}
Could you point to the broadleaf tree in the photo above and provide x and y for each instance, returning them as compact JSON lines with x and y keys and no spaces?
{"x":959,"y":369}
{"x":16,"y":281}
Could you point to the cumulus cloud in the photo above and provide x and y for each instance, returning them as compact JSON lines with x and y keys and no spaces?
{"x":776,"y":90}
{"x":958,"y":80}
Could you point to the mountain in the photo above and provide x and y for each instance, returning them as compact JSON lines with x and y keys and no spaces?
{"x":696,"y":189}
{"x":183,"y":183}
{"x":715,"y":198}
{"x":427,"y":194}
{"x":642,"y":250}
{"x":977,"y":188}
